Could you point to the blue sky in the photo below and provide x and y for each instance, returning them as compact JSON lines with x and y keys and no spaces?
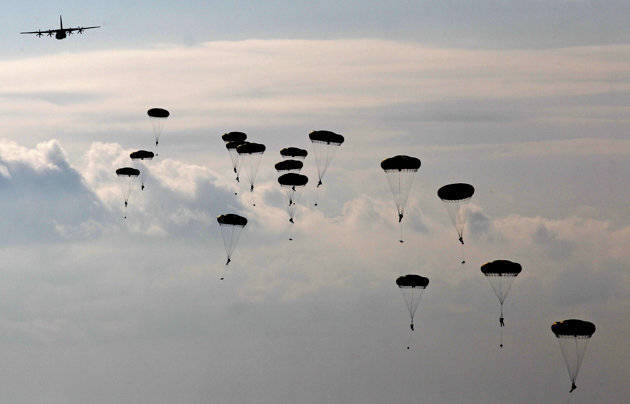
{"x":527,"y":101}
{"x":486,"y":24}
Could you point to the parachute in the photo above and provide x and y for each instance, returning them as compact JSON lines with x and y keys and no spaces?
{"x":129,"y":175}
{"x":412,"y":288}
{"x":141,"y":155}
{"x":234,"y":137}
{"x":158,"y":117}
{"x":455,"y":196}
{"x":400,"y":172}
{"x":573,"y":336}
{"x":292,"y":183}
{"x":231,"y":226}
{"x":231,"y":148}
{"x":500,"y":275}
{"x":325,"y":143}
{"x":250,"y":155}
{"x":288,"y":166}
{"x":293,"y":153}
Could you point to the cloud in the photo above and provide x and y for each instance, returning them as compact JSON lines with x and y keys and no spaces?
{"x":113,"y":88}
{"x":44,"y":198}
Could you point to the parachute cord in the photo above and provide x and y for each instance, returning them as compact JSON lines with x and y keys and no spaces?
{"x":462,"y":253}
{"x":409,"y":344}
{"x":402,"y":240}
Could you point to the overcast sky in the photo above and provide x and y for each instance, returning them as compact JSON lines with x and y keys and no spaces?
{"x":528,"y":101}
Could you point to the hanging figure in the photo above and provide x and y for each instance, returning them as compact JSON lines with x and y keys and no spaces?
{"x":138,"y":158}
{"x":158,"y":117}
{"x":455,"y":197}
{"x":400,"y":172}
{"x":500,"y":274}
{"x":573,"y":336}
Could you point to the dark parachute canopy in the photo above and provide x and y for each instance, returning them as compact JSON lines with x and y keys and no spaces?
{"x":573,"y":328}
{"x":236,"y":161}
{"x":455,"y":197}
{"x":157,"y":117}
{"x":250,"y":155}
{"x":234,"y":137}
{"x":400,"y":163}
{"x":294,"y":153}
{"x":500,"y":275}
{"x":289,"y":165}
{"x":501,"y":268}
{"x":129,"y":176}
{"x":292,"y":184}
{"x":326,"y":136}
{"x":293,"y":180}
{"x":158,"y":113}
{"x":412,"y":281}
{"x":128,"y":172}
{"x":141,"y":155}
{"x":573,"y":336}
{"x":231,"y":226}
{"x":400,"y":172}
{"x":232,"y":219}
{"x":456,"y":192}
{"x":325,"y":143}
{"x":412,"y":288}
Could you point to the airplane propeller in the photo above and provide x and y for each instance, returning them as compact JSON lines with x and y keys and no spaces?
{"x":80,"y":30}
{"x":39,"y":34}
{"x":50,"y":34}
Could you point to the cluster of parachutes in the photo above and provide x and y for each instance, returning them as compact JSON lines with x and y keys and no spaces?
{"x":246,"y":157}
{"x":573,"y":335}
{"x":129,"y":176}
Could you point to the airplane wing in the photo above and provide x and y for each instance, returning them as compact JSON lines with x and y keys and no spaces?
{"x":80,"y":29}
{"x":48,"y":31}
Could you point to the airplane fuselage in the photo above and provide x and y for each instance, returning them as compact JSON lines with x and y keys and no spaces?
{"x":60,"y":34}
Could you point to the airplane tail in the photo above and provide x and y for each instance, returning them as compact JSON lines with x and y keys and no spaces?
{"x":60,"y":23}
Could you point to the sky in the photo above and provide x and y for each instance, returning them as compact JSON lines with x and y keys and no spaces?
{"x":527,"y":101}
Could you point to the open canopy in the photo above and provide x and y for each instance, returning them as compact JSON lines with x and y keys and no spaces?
{"x":234,"y":137}
{"x":142,"y":155}
{"x":398,"y":163}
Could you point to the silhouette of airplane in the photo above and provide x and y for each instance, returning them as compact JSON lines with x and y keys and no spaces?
{"x":60,"y":33}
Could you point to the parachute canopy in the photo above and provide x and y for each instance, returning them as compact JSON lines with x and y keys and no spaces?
{"x":127,"y":171}
{"x":412,"y":287}
{"x":399,"y":163}
{"x":250,"y":148}
{"x":400,"y":172}
{"x":573,"y":328}
{"x":573,"y":336}
{"x":325,"y":143}
{"x":501,"y":268}
{"x":456,"y":192}
{"x":231,"y":226}
{"x":455,"y":196}
{"x":293,"y":180}
{"x":250,"y":155}
{"x":500,"y":274}
{"x":232,"y":219}
{"x":289,"y":165}
{"x":141,"y":155}
{"x":158,"y":113}
{"x":412,"y":281}
{"x":293,"y":152}
{"x":234,"y":137}
{"x":326,"y":136}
